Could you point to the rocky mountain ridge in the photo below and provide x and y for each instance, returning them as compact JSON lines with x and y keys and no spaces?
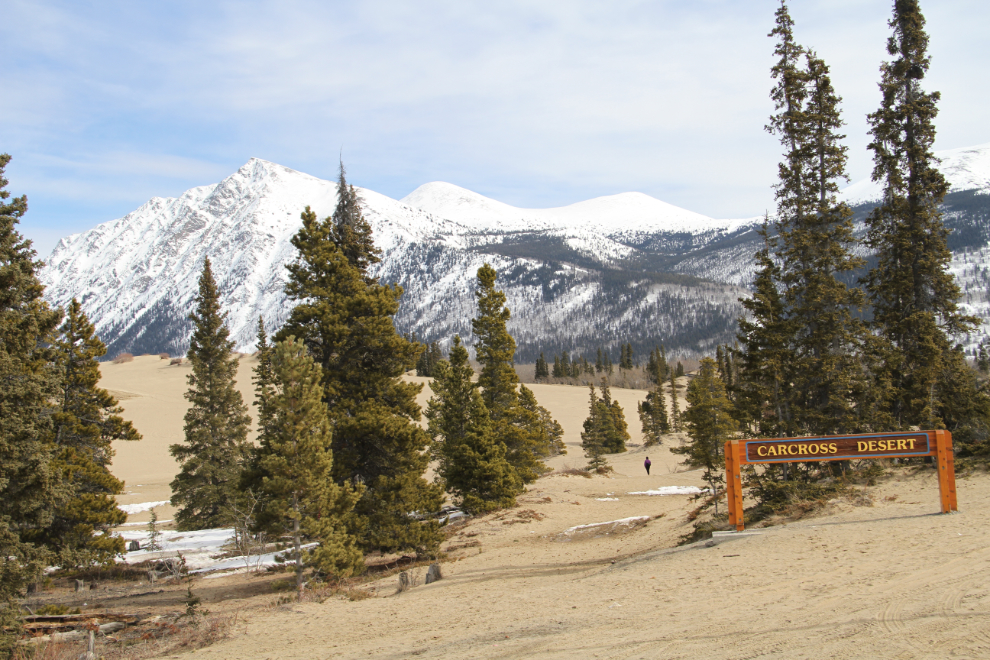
{"x":623,"y":268}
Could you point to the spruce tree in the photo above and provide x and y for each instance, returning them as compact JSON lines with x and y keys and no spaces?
{"x":599,"y":361}
{"x":471,"y":462}
{"x":549,"y":430}
{"x":652,"y":366}
{"x":675,"y":417}
{"x":710,"y":423}
{"x":597,"y":428}
{"x":295,"y":463}
{"x":87,"y":421}
{"x":914,"y":296}
{"x":541,"y":368}
{"x":558,"y":370}
{"x":30,"y":489}
{"x":346,"y":323}
{"x":653,"y":410}
{"x":814,"y":240}
{"x":350,"y":232}
{"x":618,"y":433}
{"x":216,"y":424}
{"x":766,"y":367}
{"x":516,"y":427}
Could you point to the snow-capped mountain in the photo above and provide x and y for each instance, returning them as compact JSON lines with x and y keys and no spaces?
{"x":616,"y":269}
{"x":965,"y":169}
{"x":136,"y":276}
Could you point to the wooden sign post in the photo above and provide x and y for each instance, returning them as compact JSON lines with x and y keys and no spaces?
{"x":839,"y":448}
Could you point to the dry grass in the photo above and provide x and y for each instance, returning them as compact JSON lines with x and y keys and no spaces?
{"x":123,"y":357}
{"x":182,"y":634}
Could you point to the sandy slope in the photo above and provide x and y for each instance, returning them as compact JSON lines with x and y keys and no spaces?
{"x":888,"y":580}
{"x":151,"y":394}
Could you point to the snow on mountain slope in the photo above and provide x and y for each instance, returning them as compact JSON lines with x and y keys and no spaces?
{"x":598,"y":273}
{"x":136,"y":276}
{"x":967,"y":168}
{"x":614,"y":215}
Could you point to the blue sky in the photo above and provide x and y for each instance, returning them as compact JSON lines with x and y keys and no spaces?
{"x":535,"y":103}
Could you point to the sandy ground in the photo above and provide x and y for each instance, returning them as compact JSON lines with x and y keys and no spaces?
{"x":882,"y":577}
{"x":150,"y":391}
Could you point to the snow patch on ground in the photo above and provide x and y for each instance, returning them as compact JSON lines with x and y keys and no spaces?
{"x":671,"y":490}
{"x":201,"y":550}
{"x":131,"y":509}
{"x":622,"y":522}
{"x":607,"y":499}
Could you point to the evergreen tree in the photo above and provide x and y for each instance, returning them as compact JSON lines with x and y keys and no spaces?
{"x":618,"y":434}
{"x":541,"y":368}
{"x":551,"y":433}
{"x":675,"y":417}
{"x":30,"y":489}
{"x":597,"y":428}
{"x":914,"y":296}
{"x":350,"y":232}
{"x":765,"y":337}
{"x":653,"y":411}
{"x":608,"y":364}
{"x":587,"y":367}
{"x":428,"y":360}
{"x":471,"y":462}
{"x":216,"y":424}
{"x":626,"y":361}
{"x":575,"y":368}
{"x":515,"y":427}
{"x":295,"y":461}
{"x":679,"y":372}
{"x":710,"y":423}
{"x":87,"y":421}
{"x":599,"y":361}
{"x":558,"y":369}
{"x":346,"y":323}
{"x":815,"y":241}
{"x":652,"y":366}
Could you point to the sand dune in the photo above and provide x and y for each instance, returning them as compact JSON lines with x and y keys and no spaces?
{"x":881,"y":576}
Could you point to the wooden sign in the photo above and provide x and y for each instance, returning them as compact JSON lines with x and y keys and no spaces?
{"x":839,"y":448}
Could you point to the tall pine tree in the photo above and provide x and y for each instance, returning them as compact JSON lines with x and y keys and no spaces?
{"x":653,"y":410}
{"x":519,"y":429}
{"x":471,"y":461}
{"x":30,"y":489}
{"x":710,"y":422}
{"x":87,"y":421}
{"x":914,"y":296}
{"x":345,"y":320}
{"x":350,"y":232}
{"x":295,"y":466}
{"x":216,"y":424}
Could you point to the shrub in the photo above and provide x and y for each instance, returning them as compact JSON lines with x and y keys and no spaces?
{"x":163,"y":356}
{"x":123,"y":357}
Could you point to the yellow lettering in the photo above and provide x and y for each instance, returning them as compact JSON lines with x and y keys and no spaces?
{"x":803,"y":449}
{"x":771,"y":451}
{"x":860,"y":446}
{"x":813,"y":449}
{"x":792,"y":450}
{"x":902,"y":444}
{"x":912,"y":442}
{"x":832,"y":448}
{"x":761,"y":450}
{"x":872,"y":444}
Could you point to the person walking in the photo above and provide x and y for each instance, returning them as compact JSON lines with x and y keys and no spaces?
{"x":647,"y":465}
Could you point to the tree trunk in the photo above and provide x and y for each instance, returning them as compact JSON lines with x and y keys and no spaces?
{"x":296,"y":541}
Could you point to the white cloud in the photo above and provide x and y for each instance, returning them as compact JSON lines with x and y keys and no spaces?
{"x":538,"y":103}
